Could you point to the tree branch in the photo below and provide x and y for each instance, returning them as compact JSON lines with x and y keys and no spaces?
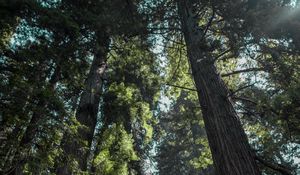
{"x":222,"y":54}
{"x":243,"y":71}
{"x":209,"y":23}
{"x":176,"y":86}
{"x":239,"y":89}
{"x":244,"y":99}
{"x":274,"y":166}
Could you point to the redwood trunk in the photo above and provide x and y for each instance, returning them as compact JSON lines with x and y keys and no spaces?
{"x":228,"y":142}
{"x":90,"y":98}
{"x":87,"y":110}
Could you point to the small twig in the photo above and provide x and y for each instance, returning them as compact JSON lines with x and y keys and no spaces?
{"x":222,"y":54}
{"x":209,"y":23}
{"x":178,"y":64}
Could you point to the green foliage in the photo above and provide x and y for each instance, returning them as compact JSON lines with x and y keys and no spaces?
{"x":46,"y":47}
{"x":116,"y":150}
{"x":130,"y":97}
{"x":205,"y":158}
{"x":183,"y":147}
{"x":33,"y":100}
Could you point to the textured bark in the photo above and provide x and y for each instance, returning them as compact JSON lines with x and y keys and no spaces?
{"x":90,"y":98}
{"x":227,"y":139}
{"x":87,"y":110}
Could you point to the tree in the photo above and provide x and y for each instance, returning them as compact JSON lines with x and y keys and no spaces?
{"x":183,"y":146}
{"x":83,"y":85}
{"x":90,"y":98}
{"x":228,"y":142}
{"x":39,"y":62}
{"x":128,"y":102}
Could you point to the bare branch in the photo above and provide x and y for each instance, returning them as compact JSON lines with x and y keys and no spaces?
{"x":243,"y":71}
{"x":274,"y":166}
{"x":239,"y":89}
{"x":222,"y":54}
{"x":244,"y":99}
{"x":209,"y":23}
{"x":176,"y":86}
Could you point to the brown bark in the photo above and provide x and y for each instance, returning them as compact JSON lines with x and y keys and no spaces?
{"x":227,"y":139}
{"x":90,"y":98}
{"x":87,"y":110}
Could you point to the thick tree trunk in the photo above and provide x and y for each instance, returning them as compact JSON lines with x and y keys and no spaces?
{"x":89,"y":101}
{"x":228,"y":142}
{"x":88,"y":107}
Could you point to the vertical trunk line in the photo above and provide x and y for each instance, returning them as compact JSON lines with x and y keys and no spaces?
{"x":87,"y":109}
{"x":227,"y":139}
{"x":90,"y":98}
{"x":31,"y":129}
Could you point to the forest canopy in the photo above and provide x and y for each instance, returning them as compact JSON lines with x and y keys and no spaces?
{"x":150,"y":87}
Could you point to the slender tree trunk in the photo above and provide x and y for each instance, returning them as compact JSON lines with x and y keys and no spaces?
{"x":88,"y":107}
{"x":32,"y":128}
{"x":228,"y":142}
{"x":135,"y":166}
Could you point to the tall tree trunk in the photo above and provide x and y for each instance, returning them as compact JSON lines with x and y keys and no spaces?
{"x":228,"y":142}
{"x":31,"y":129}
{"x":88,"y":106}
{"x":89,"y":101}
{"x":135,"y":166}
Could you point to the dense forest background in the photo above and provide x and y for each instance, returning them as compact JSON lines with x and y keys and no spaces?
{"x":140,"y":87}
